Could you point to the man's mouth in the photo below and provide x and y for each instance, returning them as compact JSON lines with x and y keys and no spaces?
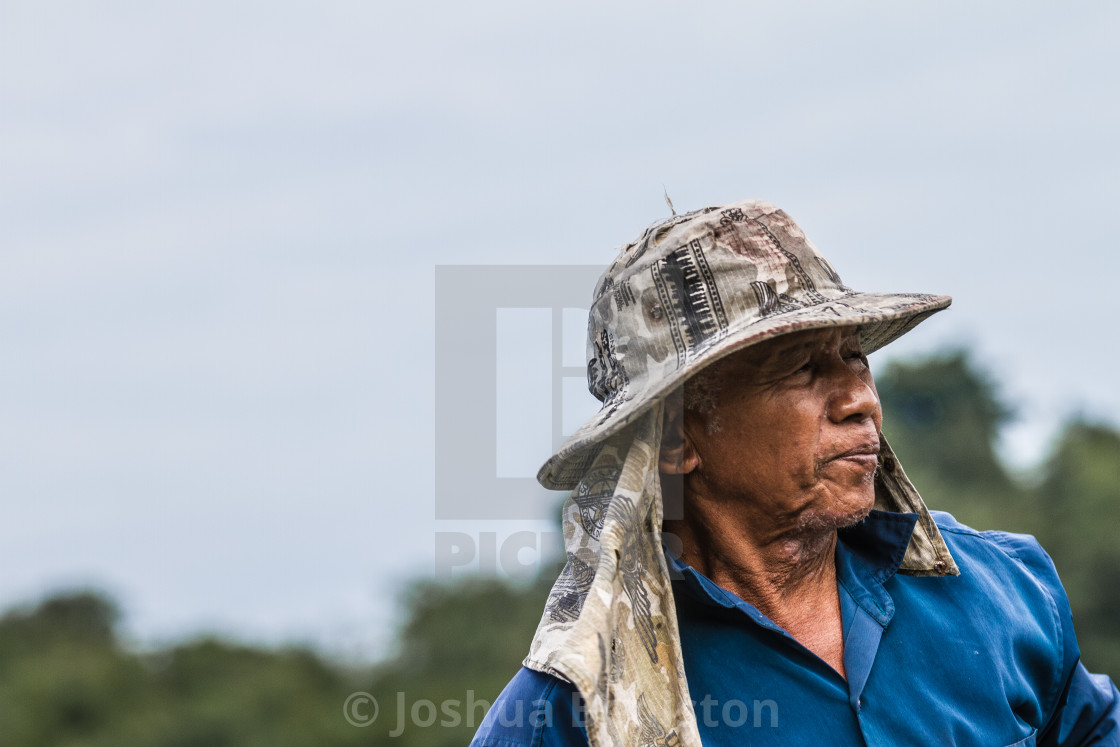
{"x":865,"y":455}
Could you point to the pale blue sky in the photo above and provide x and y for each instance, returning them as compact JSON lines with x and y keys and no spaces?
{"x":219,"y":223}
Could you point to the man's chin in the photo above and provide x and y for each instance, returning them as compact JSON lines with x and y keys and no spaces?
{"x":836,"y":517}
{"x":850,"y":520}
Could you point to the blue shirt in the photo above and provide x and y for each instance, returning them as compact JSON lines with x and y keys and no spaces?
{"x":985,"y":658}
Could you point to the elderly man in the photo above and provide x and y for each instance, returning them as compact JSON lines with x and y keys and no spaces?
{"x":747,"y":563}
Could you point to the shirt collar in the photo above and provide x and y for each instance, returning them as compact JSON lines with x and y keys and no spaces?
{"x":867,"y":555}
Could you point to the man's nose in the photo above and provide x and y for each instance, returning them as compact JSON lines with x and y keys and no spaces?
{"x":852,"y":397}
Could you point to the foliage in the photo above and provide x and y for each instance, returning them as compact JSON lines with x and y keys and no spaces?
{"x":942,"y":417}
{"x":947,"y":415}
{"x":66,"y":680}
{"x":461,"y":645}
{"x":1077,"y":515}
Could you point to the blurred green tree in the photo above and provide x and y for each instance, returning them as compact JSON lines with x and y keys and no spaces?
{"x":943,"y":416}
{"x":66,"y":681}
{"x":460,"y":645}
{"x":1077,"y":519}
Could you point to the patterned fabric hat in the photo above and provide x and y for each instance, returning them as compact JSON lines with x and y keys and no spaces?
{"x":700,"y":286}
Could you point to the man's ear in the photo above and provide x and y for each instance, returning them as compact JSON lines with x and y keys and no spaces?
{"x":678,"y":456}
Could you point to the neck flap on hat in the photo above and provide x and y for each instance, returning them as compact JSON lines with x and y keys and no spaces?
{"x":610,"y":625}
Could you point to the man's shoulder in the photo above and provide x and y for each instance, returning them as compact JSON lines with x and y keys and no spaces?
{"x":1004,"y":561}
{"x":1023,"y":548}
{"x":535,"y":708}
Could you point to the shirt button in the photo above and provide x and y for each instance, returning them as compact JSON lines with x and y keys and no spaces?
{"x":859,"y":704}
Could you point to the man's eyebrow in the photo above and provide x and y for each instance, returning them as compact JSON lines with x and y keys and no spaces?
{"x":782,"y":352}
{"x":795,"y":346}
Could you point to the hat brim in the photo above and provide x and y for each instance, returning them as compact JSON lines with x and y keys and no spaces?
{"x":882,"y":318}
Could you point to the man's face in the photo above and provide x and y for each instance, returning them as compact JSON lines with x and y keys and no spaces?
{"x":788,"y":428}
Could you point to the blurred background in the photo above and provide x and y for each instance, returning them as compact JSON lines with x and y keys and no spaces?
{"x":220,"y":225}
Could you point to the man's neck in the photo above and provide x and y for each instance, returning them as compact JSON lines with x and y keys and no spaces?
{"x":772,"y":568}
{"x":787,"y":572}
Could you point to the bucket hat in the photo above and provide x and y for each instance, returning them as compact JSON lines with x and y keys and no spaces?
{"x":702,"y":285}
